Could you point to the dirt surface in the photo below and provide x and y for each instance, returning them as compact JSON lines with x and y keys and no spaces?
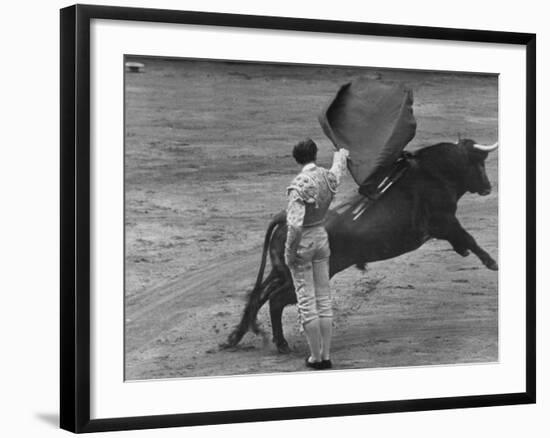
{"x":207,"y":160}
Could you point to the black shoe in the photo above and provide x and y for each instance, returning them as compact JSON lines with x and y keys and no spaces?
{"x":314,"y":365}
{"x":327,"y":364}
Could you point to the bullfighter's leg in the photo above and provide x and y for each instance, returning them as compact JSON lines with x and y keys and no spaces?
{"x":324,"y":304}
{"x":277,"y":302}
{"x":462,"y":242}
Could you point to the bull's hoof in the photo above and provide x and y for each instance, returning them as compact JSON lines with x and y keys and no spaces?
{"x":492,"y":265}
{"x":226,"y":345}
{"x":232,"y":340}
{"x":283,"y":348}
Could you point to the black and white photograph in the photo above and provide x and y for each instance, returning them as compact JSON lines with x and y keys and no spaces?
{"x":286,"y":218}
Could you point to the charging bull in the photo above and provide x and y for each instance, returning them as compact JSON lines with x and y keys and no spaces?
{"x":421,"y":205}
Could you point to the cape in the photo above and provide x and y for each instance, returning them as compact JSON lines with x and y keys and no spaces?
{"x":374,"y":120}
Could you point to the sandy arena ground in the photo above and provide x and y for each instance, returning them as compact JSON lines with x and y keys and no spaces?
{"x":207,"y":160}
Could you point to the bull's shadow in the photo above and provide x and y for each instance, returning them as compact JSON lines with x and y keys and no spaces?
{"x":419,"y":206}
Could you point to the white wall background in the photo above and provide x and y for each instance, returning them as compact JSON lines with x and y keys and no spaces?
{"x":29,"y":249}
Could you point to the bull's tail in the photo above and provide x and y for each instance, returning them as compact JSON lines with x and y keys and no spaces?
{"x":254,"y":301}
{"x":279,"y":219}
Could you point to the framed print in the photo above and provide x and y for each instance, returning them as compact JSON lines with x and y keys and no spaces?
{"x":269,"y":218}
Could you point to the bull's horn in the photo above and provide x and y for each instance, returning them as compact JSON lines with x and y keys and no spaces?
{"x":484,"y":148}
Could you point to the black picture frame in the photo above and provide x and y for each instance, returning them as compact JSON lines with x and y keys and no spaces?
{"x":75,"y":217}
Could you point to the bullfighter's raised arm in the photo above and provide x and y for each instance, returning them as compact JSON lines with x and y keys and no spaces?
{"x":339,"y":163}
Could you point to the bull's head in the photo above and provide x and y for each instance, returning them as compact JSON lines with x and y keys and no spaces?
{"x":476,"y":178}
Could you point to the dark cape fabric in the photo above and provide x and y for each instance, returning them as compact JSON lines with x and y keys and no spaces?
{"x":374,"y":121}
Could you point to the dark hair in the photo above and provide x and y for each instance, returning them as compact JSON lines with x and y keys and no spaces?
{"x":305,"y":151}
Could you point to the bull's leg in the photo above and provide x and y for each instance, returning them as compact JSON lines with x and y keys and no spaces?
{"x":271,"y":288}
{"x":462,"y":242}
{"x":256,"y":300}
{"x":277,"y":302}
{"x":465,"y":239}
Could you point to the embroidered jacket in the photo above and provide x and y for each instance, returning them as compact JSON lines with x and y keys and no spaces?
{"x":311,"y":192}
